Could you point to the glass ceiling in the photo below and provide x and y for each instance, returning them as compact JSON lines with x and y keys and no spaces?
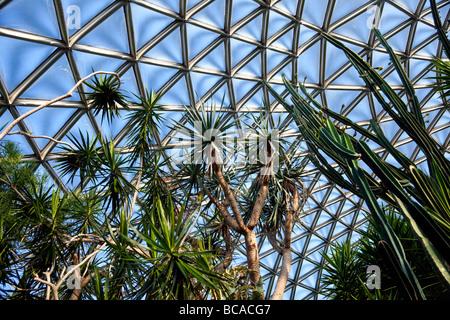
{"x":194,"y":50}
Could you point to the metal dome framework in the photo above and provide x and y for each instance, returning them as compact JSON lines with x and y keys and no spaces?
{"x":192,"y":51}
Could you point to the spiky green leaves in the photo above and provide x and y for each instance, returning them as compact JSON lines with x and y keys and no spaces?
{"x":106,"y":98}
{"x":178,"y":269}
{"x":442,"y":84}
{"x":82,"y":161}
{"x":144,"y":122}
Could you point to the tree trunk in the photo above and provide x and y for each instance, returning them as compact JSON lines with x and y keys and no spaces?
{"x":284,"y":275}
{"x":251,"y":247}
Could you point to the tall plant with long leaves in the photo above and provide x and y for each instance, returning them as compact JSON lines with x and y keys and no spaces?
{"x":255,"y":189}
{"x":422,"y":197}
{"x":87,"y":243}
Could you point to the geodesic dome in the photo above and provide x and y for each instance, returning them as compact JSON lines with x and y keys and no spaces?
{"x":192,"y":50}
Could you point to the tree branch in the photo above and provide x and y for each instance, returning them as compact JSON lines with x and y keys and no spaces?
{"x":42,"y":137}
{"x":46,"y":104}
{"x":229,"y":220}
{"x":229,"y":196}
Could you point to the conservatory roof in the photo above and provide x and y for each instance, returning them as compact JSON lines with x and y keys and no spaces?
{"x":198,"y":50}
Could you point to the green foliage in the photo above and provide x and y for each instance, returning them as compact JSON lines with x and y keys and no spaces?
{"x":420,"y":196}
{"x":344,"y":274}
{"x":442,"y":79}
{"x":150,"y":250}
{"x":14,"y":176}
{"x":106,"y":99}
{"x":144,"y":124}
{"x":81,"y":162}
{"x":177,"y":268}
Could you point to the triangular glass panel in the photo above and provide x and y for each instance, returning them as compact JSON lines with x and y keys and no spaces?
{"x":198,"y":39}
{"x":358,"y":28}
{"x":14,"y":53}
{"x":348,"y":217}
{"x":173,"y":5}
{"x":168,"y":49}
{"x":276,"y":23}
{"x":390,"y":18}
{"x":411,"y":5}
{"x":269,"y":260}
{"x":79,"y":13}
{"x":287,"y":6}
{"x":430,"y":50}
{"x":399,"y":40}
{"x":155,"y":77}
{"x":344,"y":8}
{"x":339,"y":228}
{"x":308,"y":64}
{"x":423,"y":32}
{"x":214,"y":60}
{"x":252,"y":29}
{"x":36,"y":16}
{"x":355,"y":236}
{"x":210,"y":14}
{"x":311,"y":280}
{"x":177,"y":94}
{"x":239,"y":50}
{"x":380,"y":60}
{"x":252,"y":68}
{"x":110,"y":34}
{"x":202,"y":83}
{"x":362,"y":111}
{"x":256,"y":100}
{"x":314,"y":11}
{"x":221,"y":95}
{"x":89,"y":62}
{"x":192,"y":3}
{"x":323,"y":231}
{"x":417,"y":66}
{"x":55,"y":82}
{"x":335,"y":58}
{"x":349,"y":77}
{"x":147,"y":24}
{"x":129,"y":85}
{"x":305,"y":35}
{"x":286,"y":70}
{"x":241,"y":9}
{"x":301,"y":293}
{"x":273,"y":58}
{"x":441,"y":135}
{"x":242,"y":87}
{"x":307,"y":266}
{"x":285,"y":41}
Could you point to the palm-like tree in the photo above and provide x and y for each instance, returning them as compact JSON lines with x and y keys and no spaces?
{"x":259,"y":189}
{"x":147,"y":224}
{"x":98,"y":240}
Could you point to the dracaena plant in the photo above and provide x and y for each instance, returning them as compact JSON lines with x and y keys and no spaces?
{"x":124,"y":231}
{"x":259,"y":189}
{"x":106,"y":98}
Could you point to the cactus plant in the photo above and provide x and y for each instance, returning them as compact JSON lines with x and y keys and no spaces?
{"x":421,"y":196}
